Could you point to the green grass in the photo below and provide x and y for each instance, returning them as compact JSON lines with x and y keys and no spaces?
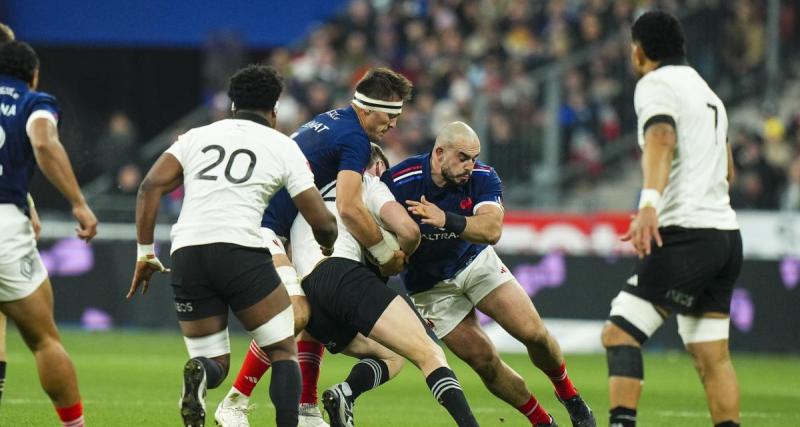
{"x":133,"y":379}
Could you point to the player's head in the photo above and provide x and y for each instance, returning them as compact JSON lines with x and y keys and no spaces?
{"x":379,"y":100}
{"x":19,"y":60}
{"x":378,"y":162}
{"x":456,"y":149}
{"x":6,"y":33}
{"x":657,"y":36}
{"x":256,"y":88}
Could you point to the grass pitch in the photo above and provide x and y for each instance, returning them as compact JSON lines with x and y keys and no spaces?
{"x":133,"y":379}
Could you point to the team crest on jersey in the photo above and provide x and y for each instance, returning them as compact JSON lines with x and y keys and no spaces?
{"x":466,"y":204}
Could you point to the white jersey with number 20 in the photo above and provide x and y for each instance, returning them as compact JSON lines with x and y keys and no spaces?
{"x":231,"y":169}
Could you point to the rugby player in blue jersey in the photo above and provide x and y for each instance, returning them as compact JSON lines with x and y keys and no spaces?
{"x":337,"y":146}
{"x":29,"y":137}
{"x":457,"y":202}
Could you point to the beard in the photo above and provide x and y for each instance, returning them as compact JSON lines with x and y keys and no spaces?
{"x":451,"y":179}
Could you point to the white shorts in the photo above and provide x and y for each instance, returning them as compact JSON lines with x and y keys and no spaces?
{"x":21,"y":268}
{"x":446,"y":304}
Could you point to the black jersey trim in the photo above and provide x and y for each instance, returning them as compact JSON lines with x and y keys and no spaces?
{"x":661,"y":118}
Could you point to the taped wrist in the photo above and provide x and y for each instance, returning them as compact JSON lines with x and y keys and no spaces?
{"x":455,"y":222}
{"x":649,"y":198}
{"x":382,"y":252}
{"x":144,"y":252}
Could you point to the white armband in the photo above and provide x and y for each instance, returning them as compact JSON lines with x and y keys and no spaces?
{"x":381,"y":251}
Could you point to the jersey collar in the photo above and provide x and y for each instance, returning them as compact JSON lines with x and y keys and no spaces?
{"x":674,"y":60}
{"x":14,"y":82}
{"x":253,"y":117}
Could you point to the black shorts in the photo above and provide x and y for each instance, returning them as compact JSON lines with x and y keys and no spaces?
{"x":694,"y":272}
{"x":207,"y":279}
{"x":345,"y":298}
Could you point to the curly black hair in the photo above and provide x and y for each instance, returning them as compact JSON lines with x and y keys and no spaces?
{"x":18,"y":60}
{"x":660,"y":35}
{"x":255,"y":87}
{"x":383,"y":83}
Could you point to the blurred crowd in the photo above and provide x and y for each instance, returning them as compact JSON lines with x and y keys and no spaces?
{"x":478,"y":61}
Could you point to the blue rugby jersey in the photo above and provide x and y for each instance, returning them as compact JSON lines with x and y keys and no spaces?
{"x":441,"y":254}
{"x":17,"y":162}
{"x":333,"y":141}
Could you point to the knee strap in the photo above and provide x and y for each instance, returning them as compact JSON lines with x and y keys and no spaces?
{"x":216,"y":344}
{"x":625,"y":361}
{"x":280,"y":327}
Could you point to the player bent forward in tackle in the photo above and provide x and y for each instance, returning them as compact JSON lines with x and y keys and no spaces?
{"x":698,"y":253}
{"x":457,"y":201}
{"x":336,"y":144}
{"x":230,"y":170}
{"x":354,"y":312}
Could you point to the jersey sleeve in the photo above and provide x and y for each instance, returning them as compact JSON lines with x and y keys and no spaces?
{"x":354,"y":152}
{"x":298,"y":176}
{"x":43,"y":107}
{"x":376,"y":194}
{"x":491,"y":191}
{"x":655,"y":102}
{"x":178,"y":148}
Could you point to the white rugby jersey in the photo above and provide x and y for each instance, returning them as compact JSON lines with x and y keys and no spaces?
{"x":305,"y":249}
{"x":696,"y":195}
{"x":231,"y":169}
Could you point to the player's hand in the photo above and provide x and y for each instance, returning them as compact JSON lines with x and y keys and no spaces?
{"x":87,"y":222}
{"x":36,"y":223}
{"x":395,"y":264}
{"x":143,"y":272}
{"x":643,"y":230}
{"x":430,"y":213}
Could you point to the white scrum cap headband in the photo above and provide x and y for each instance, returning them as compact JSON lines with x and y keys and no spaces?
{"x":390,"y":107}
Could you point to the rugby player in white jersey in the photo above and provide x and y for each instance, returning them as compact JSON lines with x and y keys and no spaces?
{"x":685,"y":232}
{"x":355,"y":313}
{"x":230,"y":169}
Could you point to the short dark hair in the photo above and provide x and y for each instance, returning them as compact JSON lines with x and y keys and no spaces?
{"x":18,"y":60}
{"x":384,"y":84}
{"x":6,"y":33}
{"x":255,"y":87}
{"x":660,"y":35}
{"x":376,"y":154}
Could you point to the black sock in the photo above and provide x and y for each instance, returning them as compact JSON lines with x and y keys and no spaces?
{"x":284,"y":391}
{"x":367,"y":374}
{"x":214,"y":372}
{"x":2,"y":377}
{"x":447,"y":391}
{"x":622,"y":417}
{"x":727,"y":424}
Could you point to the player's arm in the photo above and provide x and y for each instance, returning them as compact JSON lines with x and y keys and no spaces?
{"x":54,"y":163}
{"x":731,"y":173}
{"x":398,"y":222}
{"x":165,"y":176}
{"x":360,"y":224}
{"x":659,"y":149}
{"x":323,"y":223}
{"x":35,"y":221}
{"x":484,"y":227}
{"x":660,"y":140}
